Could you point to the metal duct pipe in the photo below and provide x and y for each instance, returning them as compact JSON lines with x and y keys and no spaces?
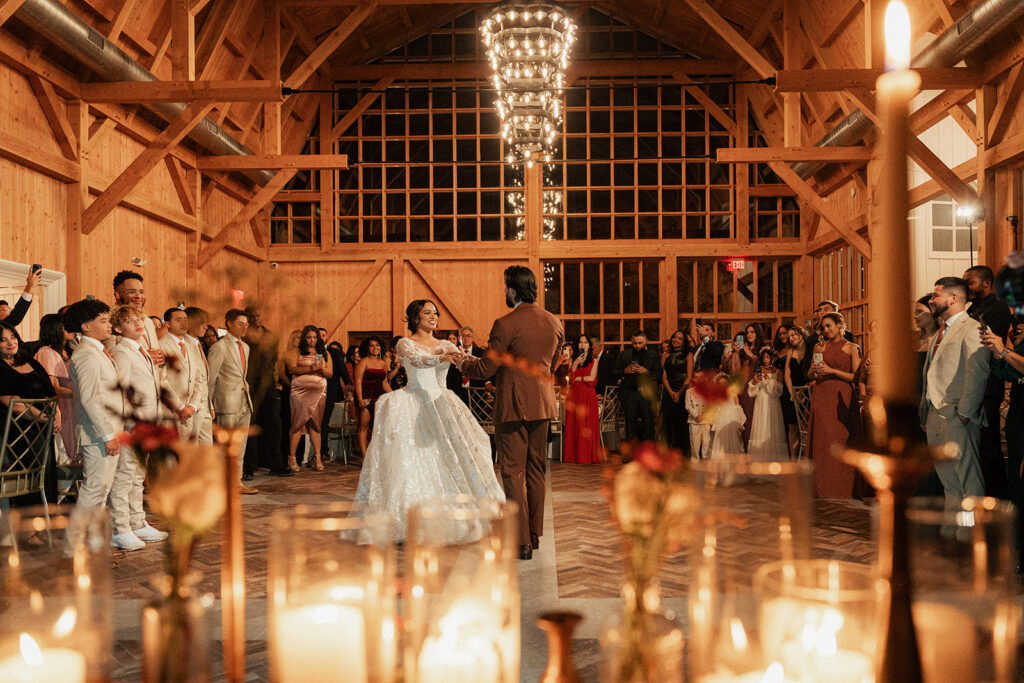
{"x":57,"y":24}
{"x":955,"y":43}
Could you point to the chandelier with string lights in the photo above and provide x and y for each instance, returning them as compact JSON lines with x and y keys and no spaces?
{"x":551,"y":203}
{"x":528,"y":48}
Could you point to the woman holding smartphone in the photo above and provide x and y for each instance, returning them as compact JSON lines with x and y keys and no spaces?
{"x":835,"y":412}
{"x":310,"y":366}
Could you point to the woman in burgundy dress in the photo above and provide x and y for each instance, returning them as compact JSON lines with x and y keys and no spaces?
{"x":744,"y":360}
{"x":582,"y":423}
{"x":370,"y":380}
{"x":835,"y":413}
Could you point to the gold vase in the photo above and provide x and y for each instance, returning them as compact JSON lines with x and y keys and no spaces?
{"x":559,"y":627}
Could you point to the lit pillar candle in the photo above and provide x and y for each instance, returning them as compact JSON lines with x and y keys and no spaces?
{"x":894,"y":366}
{"x":804,"y":638}
{"x":470,"y":647}
{"x":33,"y":664}
{"x":937,"y":627}
{"x":324,"y":643}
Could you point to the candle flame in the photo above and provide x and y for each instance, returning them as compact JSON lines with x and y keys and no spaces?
{"x":66,"y":623}
{"x":325,"y":614}
{"x":774,"y":673}
{"x":897,"y":36}
{"x":739,"y":635}
{"x":30,"y":651}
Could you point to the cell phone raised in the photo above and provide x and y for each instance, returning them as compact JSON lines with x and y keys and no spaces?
{"x":36,"y":267}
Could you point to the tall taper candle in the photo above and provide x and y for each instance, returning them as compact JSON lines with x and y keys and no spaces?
{"x":894,"y":364}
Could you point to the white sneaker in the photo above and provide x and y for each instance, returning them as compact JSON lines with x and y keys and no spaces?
{"x":148,"y":534}
{"x":127,"y":542}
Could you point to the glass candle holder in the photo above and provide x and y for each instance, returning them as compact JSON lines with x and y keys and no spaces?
{"x":56,"y":615}
{"x":964,"y":575}
{"x":818,"y":620}
{"x":461,"y":603}
{"x":754,"y":514}
{"x":332,"y":596}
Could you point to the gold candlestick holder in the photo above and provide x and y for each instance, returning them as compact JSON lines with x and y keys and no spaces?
{"x":559,"y":627}
{"x":894,"y":462}
{"x":232,"y":571}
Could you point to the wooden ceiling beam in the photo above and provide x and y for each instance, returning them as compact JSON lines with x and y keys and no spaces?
{"x":54,"y":110}
{"x":9,"y":7}
{"x":1006,"y":105}
{"x":181,"y":185}
{"x":329,"y":44}
{"x":772,"y":13}
{"x":829,"y":80}
{"x":938,"y":170}
{"x":224,"y":15}
{"x":264,"y":196}
{"x":142,"y":164}
{"x":352,"y":115}
{"x":761,"y":155}
{"x":182,"y":91}
{"x":807,"y":193}
{"x":183,"y":37}
{"x":936,"y":109}
{"x":243,"y":162}
{"x":120,"y":19}
{"x":731,"y":36}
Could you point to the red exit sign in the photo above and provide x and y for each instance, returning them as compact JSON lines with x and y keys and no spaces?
{"x":734,"y":265}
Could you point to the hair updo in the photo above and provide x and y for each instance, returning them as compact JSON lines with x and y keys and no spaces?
{"x":412,"y":313}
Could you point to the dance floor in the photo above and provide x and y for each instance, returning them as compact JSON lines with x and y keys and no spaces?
{"x":578,"y":566}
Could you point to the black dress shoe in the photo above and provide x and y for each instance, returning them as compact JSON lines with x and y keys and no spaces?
{"x":525,"y":552}
{"x":282,"y":473}
{"x":247,"y":476}
{"x":534,"y":541}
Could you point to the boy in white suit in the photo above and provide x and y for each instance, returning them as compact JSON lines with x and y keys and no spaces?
{"x":140,"y":375}
{"x":202,"y":421}
{"x":99,"y":404}
{"x":229,"y":392}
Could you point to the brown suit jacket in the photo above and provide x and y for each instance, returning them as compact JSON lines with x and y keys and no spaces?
{"x":528,"y":336}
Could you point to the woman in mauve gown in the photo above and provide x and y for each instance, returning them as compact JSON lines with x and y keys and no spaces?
{"x":582,"y":423}
{"x":835,"y":412}
{"x":53,"y":354}
{"x":310,"y":365}
{"x":370,"y":380}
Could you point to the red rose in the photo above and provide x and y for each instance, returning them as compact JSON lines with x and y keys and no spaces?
{"x":658,"y":458}
{"x":711,"y":386}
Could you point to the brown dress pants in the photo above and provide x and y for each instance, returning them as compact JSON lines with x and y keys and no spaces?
{"x":522,"y":456}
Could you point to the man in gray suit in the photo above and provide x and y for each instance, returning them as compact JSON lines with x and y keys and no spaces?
{"x":229,"y":391}
{"x":955,"y":374}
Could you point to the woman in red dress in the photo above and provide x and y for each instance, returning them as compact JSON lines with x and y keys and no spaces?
{"x":370,"y":383}
{"x":835,"y":413}
{"x":582,"y":423}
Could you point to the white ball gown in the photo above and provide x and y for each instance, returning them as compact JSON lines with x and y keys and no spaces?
{"x":768,"y":428}
{"x":426,"y":444}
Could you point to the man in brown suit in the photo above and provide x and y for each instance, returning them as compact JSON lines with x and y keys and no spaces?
{"x":522,"y":351}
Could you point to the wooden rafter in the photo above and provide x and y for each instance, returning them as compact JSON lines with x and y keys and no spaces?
{"x":182,"y":91}
{"x":54,"y":111}
{"x":731,"y":36}
{"x":353,"y":114}
{"x":329,"y":44}
{"x":97,"y":129}
{"x":827,"y":80}
{"x":256,"y":226}
{"x":966,"y":119}
{"x":137,"y":169}
{"x":161,"y":35}
{"x":238,"y":162}
{"x":936,"y":109}
{"x":120,"y":19}
{"x":247,"y":213}
{"x":793,"y":154}
{"x":940,"y":172}
{"x":224,"y":15}
{"x":443,"y":296}
{"x":28,"y":154}
{"x":698,"y":94}
{"x":8,"y":8}
{"x":807,"y":193}
{"x":183,"y":36}
{"x":181,"y":185}
{"x":356,"y":293}
{"x":770,"y":14}
{"x":1007,"y":105}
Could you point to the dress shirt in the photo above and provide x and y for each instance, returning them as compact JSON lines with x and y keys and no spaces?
{"x":98,"y":344}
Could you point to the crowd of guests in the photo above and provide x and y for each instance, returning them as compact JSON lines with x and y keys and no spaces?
{"x":110,"y":368}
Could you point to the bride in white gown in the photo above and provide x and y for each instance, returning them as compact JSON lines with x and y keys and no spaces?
{"x":426,"y":444}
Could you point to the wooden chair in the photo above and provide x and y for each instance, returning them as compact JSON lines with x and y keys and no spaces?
{"x":802,"y":406}
{"x":26,"y":447}
{"x":556,"y":429}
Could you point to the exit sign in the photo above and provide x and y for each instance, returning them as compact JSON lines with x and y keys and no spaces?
{"x":734,"y":265}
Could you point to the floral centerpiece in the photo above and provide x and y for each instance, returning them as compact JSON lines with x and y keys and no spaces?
{"x":186,"y":484}
{"x":656,"y":513}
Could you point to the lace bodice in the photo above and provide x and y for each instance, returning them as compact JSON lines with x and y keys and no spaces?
{"x":423,"y":365}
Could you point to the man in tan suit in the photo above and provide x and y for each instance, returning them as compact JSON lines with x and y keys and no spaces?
{"x":955,"y":375}
{"x":524,"y":402}
{"x":202,"y":421}
{"x":181,"y":377}
{"x":229,"y":392}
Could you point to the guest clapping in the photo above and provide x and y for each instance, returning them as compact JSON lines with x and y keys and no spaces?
{"x":310,"y":366}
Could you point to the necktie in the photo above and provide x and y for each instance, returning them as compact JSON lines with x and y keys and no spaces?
{"x":144,"y":354}
{"x":241,"y":357}
{"x":938,"y":338}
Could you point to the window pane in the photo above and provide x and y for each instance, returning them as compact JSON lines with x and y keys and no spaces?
{"x":765,"y":286}
{"x":631,"y":287}
{"x":571,"y":274}
{"x":725,"y":288}
{"x":610,"y":283}
{"x":591,"y":293}
{"x":652,"y":302}
{"x":684,"y":285}
{"x":553,"y":288}
{"x":942,"y":240}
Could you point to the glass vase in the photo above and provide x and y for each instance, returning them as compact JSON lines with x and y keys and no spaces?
{"x":56,"y":605}
{"x":461,"y":605}
{"x":642,"y":644}
{"x":175,"y":632}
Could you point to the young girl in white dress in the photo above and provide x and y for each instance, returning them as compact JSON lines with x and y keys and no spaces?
{"x":767,"y":428}
{"x":426,"y":444}
{"x":727,"y":430}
